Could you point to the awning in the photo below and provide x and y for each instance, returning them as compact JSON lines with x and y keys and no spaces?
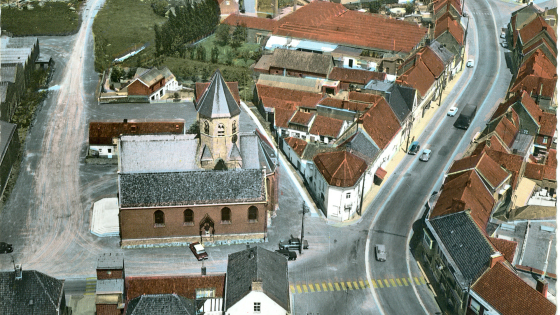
{"x":380,"y":173}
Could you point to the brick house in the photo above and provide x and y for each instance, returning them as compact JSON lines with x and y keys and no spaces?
{"x":270,"y":98}
{"x":440,"y":7}
{"x":356,"y":77}
{"x":296,"y":63}
{"x":151,"y":84}
{"x":450,"y":33}
{"x":110,"y":292}
{"x":536,"y":30}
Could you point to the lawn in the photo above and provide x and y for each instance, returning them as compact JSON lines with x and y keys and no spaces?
{"x":121,"y":27}
{"x":54,"y":18}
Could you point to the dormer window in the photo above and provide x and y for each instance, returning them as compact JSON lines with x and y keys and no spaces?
{"x":221,"y":129}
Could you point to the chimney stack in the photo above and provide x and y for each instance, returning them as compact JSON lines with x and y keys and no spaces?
{"x":125,"y":120}
{"x":19,"y":272}
{"x":203,"y":271}
{"x":256,"y":285}
{"x":542,"y":286}
{"x":496,"y":258}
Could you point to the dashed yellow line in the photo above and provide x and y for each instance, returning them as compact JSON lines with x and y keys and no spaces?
{"x":386,"y":282}
{"x":305,"y":288}
{"x":343,"y":286}
{"x":317,"y":287}
{"x":298,"y":289}
{"x":380,"y":283}
{"x":417,"y":282}
{"x":311,"y":288}
{"x":374,"y":284}
{"x":362,"y":284}
{"x":356,"y":285}
{"x":324,"y":286}
{"x":330,"y":287}
{"x":349,"y":284}
{"x":293,"y":289}
{"x":392,"y":282}
{"x":336,"y":286}
{"x":422,"y":280}
{"x":405,"y":282}
{"x":398,"y":282}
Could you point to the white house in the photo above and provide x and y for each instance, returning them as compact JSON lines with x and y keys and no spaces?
{"x":257,"y":283}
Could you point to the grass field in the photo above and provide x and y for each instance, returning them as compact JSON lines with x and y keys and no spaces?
{"x":54,"y":18}
{"x":120,"y":27}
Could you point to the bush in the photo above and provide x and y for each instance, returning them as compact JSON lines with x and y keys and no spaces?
{"x":222,"y":34}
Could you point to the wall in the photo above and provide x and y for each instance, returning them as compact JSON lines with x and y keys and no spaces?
{"x":295,"y":73}
{"x":104,"y":150}
{"x":246,"y":304}
{"x":337,"y":201}
{"x":103,"y":274}
{"x":138,"y":88}
{"x":9,"y":158}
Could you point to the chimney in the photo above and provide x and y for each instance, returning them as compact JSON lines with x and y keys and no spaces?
{"x":125,"y":121}
{"x":19,"y":272}
{"x":256,"y":285}
{"x":542,"y":286}
{"x":457,"y":205}
{"x":496,"y":258}
{"x":203,"y":271}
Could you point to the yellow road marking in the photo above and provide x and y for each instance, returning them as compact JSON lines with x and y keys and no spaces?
{"x":337,"y":286}
{"x":317,"y":287}
{"x":293,"y":289}
{"x":398,"y":282}
{"x":374,"y":284}
{"x":356,"y":285}
{"x":417,"y":282}
{"x":298,"y":289}
{"x":405,"y":282}
{"x":410,"y":280}
{"x":330,"y":287}
{"x":362,"y":284}
{"x":386,"y":282}
{"x":342,"y":286}
{"x":311,"y":288}
{"x":91,"y":278}
{"x":422,"y":280}
{"x":325,"y":286}
{"x":380,"y":283}
{"x":349,"y":284}
{"x":392,"y":282}
{"x":304,"y":288}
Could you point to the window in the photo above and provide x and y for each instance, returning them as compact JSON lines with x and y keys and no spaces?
{"x":221,"y":129}
{"x":188,"y":217}
{"x":206,"y":127}
{"x":253,"y":214}
{"x":348,"y":195}
{"x":226,"y":215}
{"x":257,"y":307}
{"x":545,"y":140}
{"x":205,"y":293}
{"x":233,"y":127}
{"x":159,"y":219}
{"x":109,"y":150}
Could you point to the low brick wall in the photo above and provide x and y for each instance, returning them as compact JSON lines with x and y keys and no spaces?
{"x":185,"y":241}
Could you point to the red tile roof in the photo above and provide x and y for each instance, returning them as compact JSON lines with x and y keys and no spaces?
{"x":540,"y":44}
{"x":418,"y":77}
{"x":465,"y":192}
{"x":355,"y":75}
{"x":439,"y":4}
{"x":325,"y":126}
{"x":343,"y":104}
{"x":200,"y":87}
{"x":430,"y":59}
{"x":548,"y":124}
{"x":509,"y":294}
{"x":446,"y":23}
{"x":492,"y":143}
{"x":364,"y":97}
{"x":506,"y":129}
{"x":342,"y":169}
{"x":487,"y":168}
{"x":503,"y":107}
{"x":286,"y":96}
{"x":276,"y":103}
{"x":298,"y":145}
{"x":301,"y":118}
{"x":333,"y":23}
{"x":534,"y":171}
{"x":103,"y":132}
{"x":507,"y":248}
{"x":381,"y":123}
{"x":533,"y":28}
{"x":181,"y":285}
{"x":282,"y":116}
{"x":510,"y":162}
{"x":537,"y":75}
{"x":250,"y":22}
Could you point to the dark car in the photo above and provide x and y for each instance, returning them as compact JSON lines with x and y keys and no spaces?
{"x":6,"y":248}
{"x":414,"y":147}
{"x":288,"y":253}
{"x":198,"y":251}
{"x":293,"y":243}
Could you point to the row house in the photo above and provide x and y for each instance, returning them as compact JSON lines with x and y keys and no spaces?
{"x":301,"y":64}
{"x":441,"y":7}
{"x":312,"y":127}
{"x":450,"y":33}
{"x":151,"y":84}
{"x":353,"y":79}
{"x":533,"y":32}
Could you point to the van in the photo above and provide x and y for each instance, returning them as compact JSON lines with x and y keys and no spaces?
{"x":466,"y":117}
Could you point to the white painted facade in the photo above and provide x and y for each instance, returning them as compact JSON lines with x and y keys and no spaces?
{"x":106,"y":151}
{"x":172,"y":85}
{"x":212,"y":306}
{"x":247,"y":305}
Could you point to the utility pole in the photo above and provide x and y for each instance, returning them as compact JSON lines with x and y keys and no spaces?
{"x":304,"y":209}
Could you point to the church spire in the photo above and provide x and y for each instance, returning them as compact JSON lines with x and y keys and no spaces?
{"x":217,"y":101}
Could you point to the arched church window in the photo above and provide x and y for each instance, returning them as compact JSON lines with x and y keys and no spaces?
{"x":221,"y":129}
{"x":253,"y":214}
{"x":206,"y":127}
{"x":226,"y":215}
{"x":159,"y":218}
{"x":233,"y":127}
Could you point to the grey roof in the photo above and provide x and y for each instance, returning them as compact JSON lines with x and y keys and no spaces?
{"x":43,"y":58}
{"x":292,"y":83}
{"x":158,"y":153}
{"x":464,"y":242}
{"x":151,"y":76}
{"x":377,"y":85}
{"x":110,"y":261}
{"x":259,"y":264}
{"x":161,"y":304}
{"x":206,"y":154}
{"x":217,"y":101}
{"x":7,"y":131}
{"x":249,"y":148}
{"x":362,"y":146}
{"x":45,"y":291}
{"x":347,"y":51}
{"x":191,"y":188}
{"x":15,"y":55}
{"x":267,"y":156}
{"x":18,"y":42}
{"x":234,"y":153}
{"x":109,"y":286}
{"x":3,"y":92}
{"x":8,"y":74}
{"x":302,"y":61}
{"x":408,"y":94}
{"x":397,"y":102}
{"x":522,"y":144}
{"x":442,"y":52}
{"x":312,"y":149}
{"x":450,"y":43}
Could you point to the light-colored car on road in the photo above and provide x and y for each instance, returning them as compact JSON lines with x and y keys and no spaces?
{"x":380,"y":253}
{"x":452,"y":111}
{"x":470,"y":63}
{"x":425,"y":156}
{"x":504,"y":44}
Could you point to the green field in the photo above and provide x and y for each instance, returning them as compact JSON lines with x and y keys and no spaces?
{"x":120,"y":27}
{"x":54,"y":18}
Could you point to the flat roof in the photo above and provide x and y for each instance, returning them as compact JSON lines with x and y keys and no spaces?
{"x":110,"y":286}
{"x":110,"y":261}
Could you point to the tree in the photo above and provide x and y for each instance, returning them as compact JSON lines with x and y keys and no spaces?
{"x":409,"y":7}
{"x":200,"y":53}
{"x":159,"y":7}
{"x":375,"y":6}
{"x":230,"y":56}
{"x":239,"y":35}
{"x":194,"y":129}
{"x":222,"y":34}
{"x":214,"y":54}
{"x":117,"y":73}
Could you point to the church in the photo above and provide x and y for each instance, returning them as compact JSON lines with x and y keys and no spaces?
{"x":217,"y":187}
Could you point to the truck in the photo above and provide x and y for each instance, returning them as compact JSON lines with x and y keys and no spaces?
{"x":293,"y":243}
{"x":466,"y":117}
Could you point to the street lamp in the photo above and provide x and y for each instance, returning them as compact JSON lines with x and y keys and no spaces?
{"x":304,"y":210}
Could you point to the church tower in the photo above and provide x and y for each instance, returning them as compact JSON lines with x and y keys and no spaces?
{"x":218,"y":118}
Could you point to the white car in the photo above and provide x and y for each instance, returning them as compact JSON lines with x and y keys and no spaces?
{"x":503,"y":35}
{"x":425,"y":156}
{"x":504,"y":44}
{"x":380,"y":253}
{"x":452,"y":111}
{"x":470,"y":63}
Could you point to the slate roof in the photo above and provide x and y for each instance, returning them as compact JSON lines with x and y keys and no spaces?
{"x":190,"y":188}
{"x":8,"y":130}
{"x":152,"y":76}
{"x":302,"y":61}
{"x":331,"y":22}
{"x":250,"y":21}
{"x":110,"y":261}
{"x":218,"y":101}
{"x":184,"y":286}
{"x":464,"y":242}
{"x":103,"y":132}
{"x":355,"y":75}
{"x":3,"y":93}
{"x":267,"y":153}
{"x":399,"y":100}
{"x":257,"y":263}
{"x":249,"y":147}
{"x":8,"y":73}
{"x":169,"y":304}
{"x":313,"y":149}
{"x":167,"y":153}
{"x":341,"y":169}
{"x":509,"y":294}
{"x":381,"y":123}
{"x":443,"y":53}
{"x":486,"y":167}
{"x":200,"y":88}
{"x":507,"y":248}
{"x":361,"y":145}
{"x":326,"y":126}
{"x":298,"y":145}
{"x":464,"y":192}
{"x":15,"y":295}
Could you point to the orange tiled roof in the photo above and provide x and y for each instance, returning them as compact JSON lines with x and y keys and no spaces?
{"x":103,"y":132}
{"x":548,"y":124}
{"x":282,"y":116}
{"x":364,"y":97}
{"x":509,"y":294}
{"x":181,"y":285}
{"x":297,"y":98}
{"x":507,"y":248}
{"x":487,"y":168}
{"x":503,"y":107}
{"x":510,"y":162}
{"x":536,"y":75}
{"x":325,"y":126}
{"x":355,"y":75}
{"x":537,"y":44}
{"x":333,"y":23}
{"x":301,"y":118}
{"x":418,"y":77}
{"x":343,"y":104}
{"x":534,"y":171}
{"x":297,"y":144}
{"x":341,"y":168}
{"x":438,"y":4}
{"x":447,"y":23}
{"x":380,"y":122}
{"x":492,"y":143}
{"x":506,"y":129}
{"x":531,"y":30}
{"x":200,"y":87}
{"x":465,"y":192}
{"x":430,"y":59}
{"x":250,"y":22}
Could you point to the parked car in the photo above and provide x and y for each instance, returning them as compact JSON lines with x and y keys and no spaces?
{"x":414,"y":147}
{"x":425,"y":155}
{"x":470,"y":63}
{"x":452,"y":111}
{"x":288,"y":253}
{"x":293,"y":243}
{"x":380,"y":253}
{"x":504,"y":44}
{"x":503,"y":35}
{"x":198,"y":251}
{"x":6,"y":248}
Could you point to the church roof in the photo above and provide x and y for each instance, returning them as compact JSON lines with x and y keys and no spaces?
{"x":206,"y":154}
{"x":217,"y":100}
{"x":234,"y":154}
